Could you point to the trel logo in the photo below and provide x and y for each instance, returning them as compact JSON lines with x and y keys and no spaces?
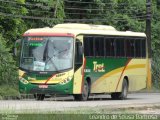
{"x":98,"y":67}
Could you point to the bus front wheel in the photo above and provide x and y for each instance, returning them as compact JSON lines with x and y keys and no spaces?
{"x":39,"y":96}
{"x":123,"y":94}
{"x":85,"y":93}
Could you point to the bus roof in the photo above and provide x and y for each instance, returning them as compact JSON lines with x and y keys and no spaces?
{"x":68,"y":29}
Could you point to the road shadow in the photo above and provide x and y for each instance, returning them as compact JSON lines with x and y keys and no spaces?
{"x":92,"y":98}
{"x":70,"y":98}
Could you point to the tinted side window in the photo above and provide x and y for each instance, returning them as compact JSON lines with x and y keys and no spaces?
{"x":143,"y":48}
{"x":88,"y":46}
{"x":109,"y":47}
{"x":99,"y":46}
{"x":137,"y":48}
{"x":130,"y":48}
{"x":120,"y":47}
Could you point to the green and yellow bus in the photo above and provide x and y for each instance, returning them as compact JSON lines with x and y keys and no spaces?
{"x":82,"y":59}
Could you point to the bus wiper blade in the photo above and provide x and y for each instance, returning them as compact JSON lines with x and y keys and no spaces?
{"x":46,"y":57}
{"x":52,"y":63}
{"x":45,"y":53}
{"x":56,"y":55}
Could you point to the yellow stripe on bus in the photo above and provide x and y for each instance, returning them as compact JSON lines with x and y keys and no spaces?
{"x":43,"y":81}
{"x":119,"y":70}
{"x":135,"y":66}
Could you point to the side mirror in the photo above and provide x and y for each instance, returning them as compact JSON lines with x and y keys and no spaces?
{"x":17,"y":47}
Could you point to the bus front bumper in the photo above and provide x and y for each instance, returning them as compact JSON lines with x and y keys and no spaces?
{"x":46,"y":89}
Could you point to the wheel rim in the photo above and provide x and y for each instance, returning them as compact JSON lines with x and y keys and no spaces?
{"x":39,"y":96}
{"x":85,"y":90}
{"x":125,"y":89}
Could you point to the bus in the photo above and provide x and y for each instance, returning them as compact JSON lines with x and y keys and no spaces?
{"x":82,"y":59}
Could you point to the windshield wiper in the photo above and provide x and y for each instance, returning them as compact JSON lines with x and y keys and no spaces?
{"x":45,"y":53}
{"x":46,"y":57}
{"x":56,"y":55}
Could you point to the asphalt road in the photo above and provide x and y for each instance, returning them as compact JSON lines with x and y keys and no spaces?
{"x":66,"y":103}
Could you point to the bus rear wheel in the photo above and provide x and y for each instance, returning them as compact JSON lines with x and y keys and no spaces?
{"x":123,"y":94}
{"x":85,"y":93}
{"x":39,"y":96}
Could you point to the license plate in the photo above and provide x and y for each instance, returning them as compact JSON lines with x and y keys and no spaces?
{"x":43,"y":86}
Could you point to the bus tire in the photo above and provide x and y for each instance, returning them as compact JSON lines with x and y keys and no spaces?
{"x":85,"y":93}
{"x":123,"y":94}
{"x":39,"y":96}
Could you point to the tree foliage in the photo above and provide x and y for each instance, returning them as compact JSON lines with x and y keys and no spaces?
{"x":8,"y":70}
{"x":17,"y":16}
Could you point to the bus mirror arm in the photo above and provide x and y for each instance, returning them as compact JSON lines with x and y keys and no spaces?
{"x":16,"y":45}
{"x":14,"y":52}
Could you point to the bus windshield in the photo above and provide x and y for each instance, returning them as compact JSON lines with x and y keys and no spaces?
{"x":46,"y":53}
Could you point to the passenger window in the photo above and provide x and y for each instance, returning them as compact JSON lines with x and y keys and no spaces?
{"x":120,"y":47}
{"x":143,"y":48}
{"x":109,"y":47}
{"x":99,"y":46}
{"x":138,"y":47}
{"x":130,"y":48}
{"x":88,"y":46}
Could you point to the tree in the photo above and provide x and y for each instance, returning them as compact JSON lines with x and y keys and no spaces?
{"x":8,"y":70}
{"x":17,"y":16}
{"x":50,"y":11}
{"x":12,"y":27}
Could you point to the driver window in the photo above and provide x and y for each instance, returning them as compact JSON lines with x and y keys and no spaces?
{"x":78,"y":54}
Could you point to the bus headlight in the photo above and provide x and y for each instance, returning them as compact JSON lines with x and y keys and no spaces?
{"x":24,"y":81}
{"x":66,"y":80}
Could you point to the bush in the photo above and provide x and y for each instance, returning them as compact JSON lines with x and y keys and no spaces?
{"x":7,"y":92}
{"x":8,"y":70}
{"x":156,"y":71}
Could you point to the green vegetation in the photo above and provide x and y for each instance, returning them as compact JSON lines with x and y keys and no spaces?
{"x":17,"y":16}
{"x":98,"y":113}
{"x":9,"y":92}
{"x":8,"y":72}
